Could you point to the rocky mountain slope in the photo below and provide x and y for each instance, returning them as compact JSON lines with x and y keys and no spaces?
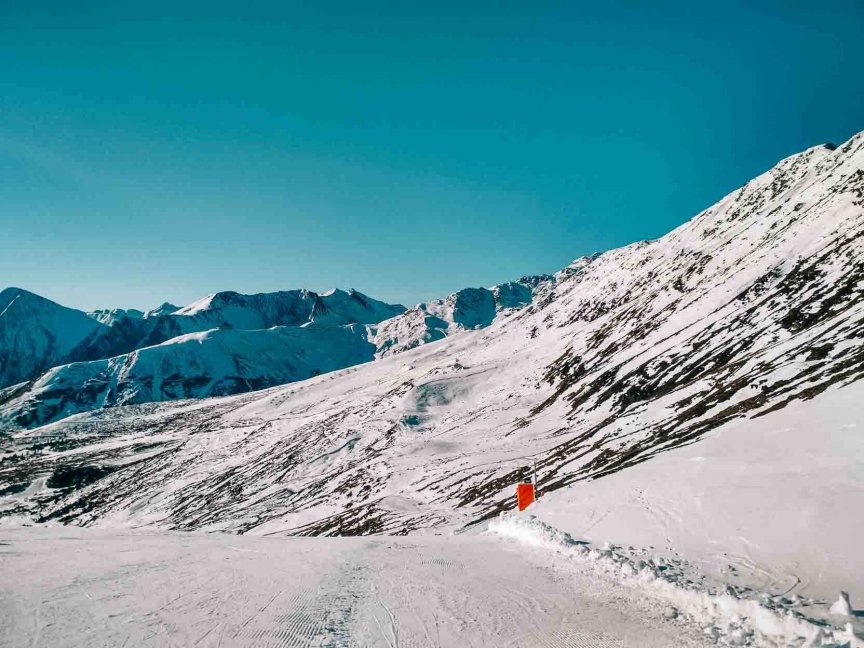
{"x":754,"y":304}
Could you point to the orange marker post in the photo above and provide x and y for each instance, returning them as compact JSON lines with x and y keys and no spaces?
{"x":524,"y":495}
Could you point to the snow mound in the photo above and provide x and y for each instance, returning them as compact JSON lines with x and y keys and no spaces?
{"x":842,"y":606}
{"x":726,"y":617}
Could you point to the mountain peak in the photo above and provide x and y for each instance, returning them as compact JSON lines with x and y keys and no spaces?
{"x":165,"y":308}
{"x":8,"y":295}
{"x":36,"y":333}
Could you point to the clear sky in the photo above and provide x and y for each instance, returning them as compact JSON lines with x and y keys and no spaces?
{"x":165,"y":150}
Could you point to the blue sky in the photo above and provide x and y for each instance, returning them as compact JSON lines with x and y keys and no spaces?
{"x":164,"y":151}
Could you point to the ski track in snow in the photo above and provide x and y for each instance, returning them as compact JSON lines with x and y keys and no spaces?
{"x":88,"y":588}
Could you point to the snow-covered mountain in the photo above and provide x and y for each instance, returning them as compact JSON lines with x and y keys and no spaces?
{"x":753,"y":306}
{"x":36,"y":333}
{"x":166,"y":308}
{"x":222,"y":344}
{"x":231,"y":310}
{"x":111,"y":316}
{"x":470,"y":308}
{"x":288,"y":308}
{"x":217,"y":362}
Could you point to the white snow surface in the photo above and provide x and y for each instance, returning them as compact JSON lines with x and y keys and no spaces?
{"x":521,"y":583}
{"x":769,"y":502}
{"x":725,"y":616}
{"x":91,"y":588}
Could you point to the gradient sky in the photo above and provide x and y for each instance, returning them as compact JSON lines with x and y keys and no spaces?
{"x":162,"y":151}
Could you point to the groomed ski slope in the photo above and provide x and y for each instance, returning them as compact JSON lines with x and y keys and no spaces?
{"x":516,"y":583}
{"x":88,"y":588}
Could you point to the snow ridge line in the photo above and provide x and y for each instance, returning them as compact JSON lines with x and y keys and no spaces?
{"x":726,"y":618}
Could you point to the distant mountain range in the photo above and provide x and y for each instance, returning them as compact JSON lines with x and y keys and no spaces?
{"x":56,"y":361}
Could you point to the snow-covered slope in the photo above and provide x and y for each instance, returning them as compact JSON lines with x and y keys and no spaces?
{"x":210,"y":590}
{"x":196,"y":365}
{"x":470,"y":308}
{"x":799,"y":467}
{"x":754,"y":305}
{"x":36,"y":333}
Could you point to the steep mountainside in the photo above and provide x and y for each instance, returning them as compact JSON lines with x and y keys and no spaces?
{"x":756,"y":303}
{"x":36,"y":333}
